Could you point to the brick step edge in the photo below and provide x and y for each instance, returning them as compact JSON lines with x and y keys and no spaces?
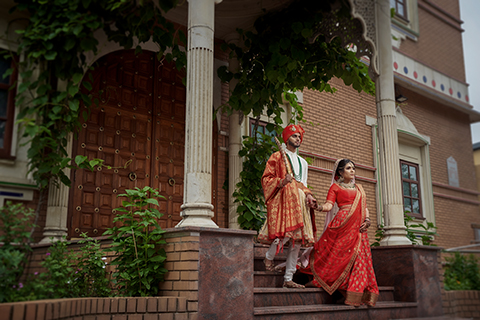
{"x":328,"y":307}
{"x":307,"y":290}
{"x":436,"y":318}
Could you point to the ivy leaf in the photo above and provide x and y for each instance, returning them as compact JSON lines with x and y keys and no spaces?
{"x":138,"y":49}
{"x":69,"y":44}
{"x":74,"y":105}
{"x":77,"y":29}
{"x":77,"y":77}
{"x":72,"y":89}
{"x":57,"y":109}
{"x":297,"y":27}
{"x":87,"y":85}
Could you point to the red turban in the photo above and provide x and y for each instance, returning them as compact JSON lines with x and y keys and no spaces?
{"x":291,"y":129}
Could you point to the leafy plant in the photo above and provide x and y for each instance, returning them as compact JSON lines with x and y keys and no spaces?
{"x":379,"y":235}
{"x":136,"y":241}
{"x":60,"y":268}
{"x":249,"y":192}
{"x":426,"y":236}
{"x":91,"y":279}
{"x":275,"y":60}
{"x":15,"y":222}
{"x":54,"y":93}
{"x":462,"y":272}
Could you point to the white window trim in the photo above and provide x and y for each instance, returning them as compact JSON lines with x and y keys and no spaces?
{"x":423,"y":143}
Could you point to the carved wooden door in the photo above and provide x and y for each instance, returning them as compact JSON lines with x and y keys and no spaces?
{"x":139,"y":130}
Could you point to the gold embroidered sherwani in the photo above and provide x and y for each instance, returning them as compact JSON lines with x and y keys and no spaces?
{"x":287,"y":212}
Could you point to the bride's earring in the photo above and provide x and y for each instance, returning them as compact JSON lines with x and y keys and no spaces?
{"x":340,"y":179}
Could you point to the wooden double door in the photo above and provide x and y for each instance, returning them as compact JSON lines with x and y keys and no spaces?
{"x":138,"y":129}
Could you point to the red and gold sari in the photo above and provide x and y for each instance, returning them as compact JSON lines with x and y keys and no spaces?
{"x":341,"y":259}
{"x":287,"y":214}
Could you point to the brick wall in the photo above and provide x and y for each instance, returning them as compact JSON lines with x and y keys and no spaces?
{"x":339,"y":131}
{"x":144,"y":308}
{"x":462,"y":304}
{"x":439,"y":44}
{"x":182,"y":263}
{"x":449,"y":133}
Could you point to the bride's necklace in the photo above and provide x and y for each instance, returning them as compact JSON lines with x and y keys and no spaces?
{"x":350,"y":185}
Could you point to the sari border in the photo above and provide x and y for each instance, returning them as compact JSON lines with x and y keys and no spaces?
{"x":330,"y":289}
{"x":343,"y":275}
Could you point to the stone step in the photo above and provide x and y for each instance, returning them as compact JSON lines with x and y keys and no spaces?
{"x":267,"y":297}
{"x":437,"y":318}
{"x":382,"y":311}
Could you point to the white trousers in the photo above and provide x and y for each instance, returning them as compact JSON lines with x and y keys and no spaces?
{"x":292,"y":256}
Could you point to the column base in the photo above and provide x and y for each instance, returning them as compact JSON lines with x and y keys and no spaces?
{"x":197,"y":215}
{"x":395,"y":236}
{"x":51,"y":235}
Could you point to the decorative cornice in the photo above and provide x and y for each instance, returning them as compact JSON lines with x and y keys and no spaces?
{"x":323,"y":157}
{"x":446,"y":186}
{"x":441,"y":195}
{"x":329,"y":172}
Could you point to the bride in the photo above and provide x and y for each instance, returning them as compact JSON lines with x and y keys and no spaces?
{"x":341,"y":259}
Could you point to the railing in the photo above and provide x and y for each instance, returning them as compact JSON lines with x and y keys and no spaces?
{"x":462,"y":249}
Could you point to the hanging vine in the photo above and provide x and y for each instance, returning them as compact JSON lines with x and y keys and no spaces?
{"x":54,"y":44}
{"x":276,"y":60}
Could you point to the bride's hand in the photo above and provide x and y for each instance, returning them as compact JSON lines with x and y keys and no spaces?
{"x":364,"y":226}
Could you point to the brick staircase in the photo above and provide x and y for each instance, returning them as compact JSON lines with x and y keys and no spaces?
{"x":272,"y":302}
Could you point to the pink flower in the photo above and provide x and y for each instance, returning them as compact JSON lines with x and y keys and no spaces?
{"x":48,"y":253}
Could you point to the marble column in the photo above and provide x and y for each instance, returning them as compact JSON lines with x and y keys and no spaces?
{"x":389,"y":164}
{"x":234,"y":144}
{"x":197,"y":209}
{"x":57,"y":207}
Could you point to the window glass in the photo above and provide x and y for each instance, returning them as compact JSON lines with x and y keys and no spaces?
{"x":407,"y":204}
{"x":3,"y":103}
{"x":411,"y":188}
{"x":406,"y":189}
{"x":4,"y":66}
{"x":415,"y":206}
{"x":413,"y":173}
{"x":404,"y":171}
{"x":7,"y":107}
{"x":2,"y":133}
{"x":414,"y":190}
{"x":261,"y":129}
{"x":400,"y":7}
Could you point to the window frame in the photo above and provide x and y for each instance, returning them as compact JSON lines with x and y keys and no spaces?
{"x":261,"y":124}
{"x":6,"y":151}
{"x":395,"y":6}
{"x":410,"y":181}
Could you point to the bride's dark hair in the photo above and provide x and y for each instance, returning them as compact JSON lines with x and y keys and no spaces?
{"x":341,"y":167}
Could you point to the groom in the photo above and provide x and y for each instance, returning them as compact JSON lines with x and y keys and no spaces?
{"x":288,"y":202}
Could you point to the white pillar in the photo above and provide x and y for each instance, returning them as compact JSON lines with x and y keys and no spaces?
{"x":57,"y":207}
{"x":234,"y":145}
{"x":389,"y":166}
{"x":197,"y":209}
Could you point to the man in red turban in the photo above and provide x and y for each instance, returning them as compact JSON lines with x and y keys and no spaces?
{"x":288,"y":201}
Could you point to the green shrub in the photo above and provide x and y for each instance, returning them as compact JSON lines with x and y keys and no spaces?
{"x":426,"y":237}
{"x":91,"y":278}
{"x":15,"y":225}
{"x":462,"y":272}
{"x":136,"y":241}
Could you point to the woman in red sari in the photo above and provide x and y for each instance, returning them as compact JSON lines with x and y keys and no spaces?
{"x":341,"y":259}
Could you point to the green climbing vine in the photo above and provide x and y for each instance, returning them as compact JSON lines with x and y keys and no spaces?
{"x":58,"y":36}
{"x":276,"y":60}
